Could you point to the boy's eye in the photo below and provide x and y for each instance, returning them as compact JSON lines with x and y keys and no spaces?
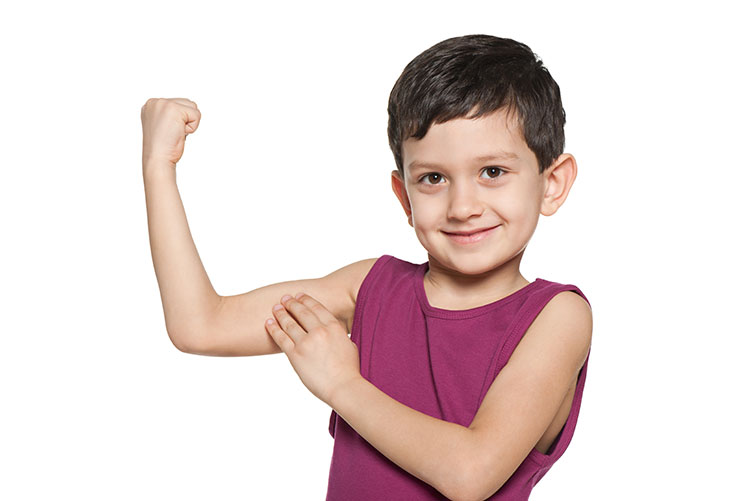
{"x":496,"y":171}
{"x":430,"y":177}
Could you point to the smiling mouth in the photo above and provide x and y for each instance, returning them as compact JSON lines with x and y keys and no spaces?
{"x":465,"y":234}
{"x":471,"y":237}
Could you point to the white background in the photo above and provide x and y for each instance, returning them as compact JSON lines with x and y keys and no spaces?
{"x":288,"y":177}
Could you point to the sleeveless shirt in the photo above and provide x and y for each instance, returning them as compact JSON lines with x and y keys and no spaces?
{"x":438,"y":362}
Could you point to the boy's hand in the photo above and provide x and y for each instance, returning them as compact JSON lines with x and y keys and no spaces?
{"x":166,"y":124}
{"x":316,"y":344}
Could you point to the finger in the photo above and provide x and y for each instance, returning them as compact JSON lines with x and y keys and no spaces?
{"x":279,"y":336}
{"x":306,"y":318}
{"x":288,"y":324}
{"x":320,"y":311}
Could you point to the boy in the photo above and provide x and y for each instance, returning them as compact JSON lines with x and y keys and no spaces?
{"x":471,"y":376}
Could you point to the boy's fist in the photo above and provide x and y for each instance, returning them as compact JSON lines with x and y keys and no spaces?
{"x":166,"y":124}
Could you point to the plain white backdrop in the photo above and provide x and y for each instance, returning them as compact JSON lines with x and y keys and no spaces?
{"x":288,"y":177}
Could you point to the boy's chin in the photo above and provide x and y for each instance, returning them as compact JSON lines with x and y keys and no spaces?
{"x":472,"y":265}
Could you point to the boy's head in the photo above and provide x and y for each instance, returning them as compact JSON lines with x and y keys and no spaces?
{"x":476,"y":127}
{"x":471,"y":76}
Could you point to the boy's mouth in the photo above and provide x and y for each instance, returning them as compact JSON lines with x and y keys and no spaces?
{"x":471,"y":236}
{"x":470,"y":232}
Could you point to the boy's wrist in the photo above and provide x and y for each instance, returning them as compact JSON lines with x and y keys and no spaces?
{"x":338,"y":396}
{"x":156,"y":168}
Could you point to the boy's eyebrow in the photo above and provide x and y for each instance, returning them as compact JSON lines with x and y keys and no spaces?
{"x":500,"y":155}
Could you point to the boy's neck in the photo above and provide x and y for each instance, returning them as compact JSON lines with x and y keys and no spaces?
{"x":450,"y":290}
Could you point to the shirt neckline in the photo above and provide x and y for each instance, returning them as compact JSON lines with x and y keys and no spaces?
{"x":430,"y":310}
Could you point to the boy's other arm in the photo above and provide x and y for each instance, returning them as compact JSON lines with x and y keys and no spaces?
{"x":236,"y":327}
{"x":528,"y":392}
{"x":471,"y":463}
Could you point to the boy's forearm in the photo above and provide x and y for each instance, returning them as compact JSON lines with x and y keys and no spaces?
{"x":188,"y":297}
{"x":432,"y":450}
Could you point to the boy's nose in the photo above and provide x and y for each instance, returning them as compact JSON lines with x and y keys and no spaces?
{"x":463,"y":202}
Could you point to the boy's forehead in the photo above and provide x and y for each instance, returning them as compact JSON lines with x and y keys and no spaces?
{"x":493,"y":136}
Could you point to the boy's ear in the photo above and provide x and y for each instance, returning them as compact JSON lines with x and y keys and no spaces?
{"x":399,"y":188}
{"x":558,"y":179}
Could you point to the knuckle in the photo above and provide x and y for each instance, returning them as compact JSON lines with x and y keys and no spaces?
{"x":319,"y":331}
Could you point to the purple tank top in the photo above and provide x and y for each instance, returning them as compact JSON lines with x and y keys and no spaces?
{"x":423,"y":357}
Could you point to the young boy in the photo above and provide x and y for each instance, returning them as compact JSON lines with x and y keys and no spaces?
{"x":461,"y":379}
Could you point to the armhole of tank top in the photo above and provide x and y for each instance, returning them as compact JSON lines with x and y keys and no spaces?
{"x":524,"y":319}
{"x":362,"y":294}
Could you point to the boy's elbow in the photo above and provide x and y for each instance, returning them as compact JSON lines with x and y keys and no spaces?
{"x":463,"y":492}
{"x":184,"y":342}
{"x":469,"y":483}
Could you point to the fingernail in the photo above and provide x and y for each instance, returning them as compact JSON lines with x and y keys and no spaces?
{"x":299,"y":295}
{"x":285,"y":297}
{"x":277,"y":307}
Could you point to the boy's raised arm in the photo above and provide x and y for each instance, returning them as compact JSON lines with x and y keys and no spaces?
{"x":198,"y":320}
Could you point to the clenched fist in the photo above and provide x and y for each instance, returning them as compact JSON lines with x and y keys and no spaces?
{"x":166,"y":124}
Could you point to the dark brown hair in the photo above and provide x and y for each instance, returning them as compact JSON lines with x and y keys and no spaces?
{"x":457,"y":75}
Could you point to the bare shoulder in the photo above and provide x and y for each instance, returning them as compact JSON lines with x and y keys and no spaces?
{"x":571,"y":304}
{"x":566,"y":314}
{"x":352,"y":275}
{"x":349,"y":278}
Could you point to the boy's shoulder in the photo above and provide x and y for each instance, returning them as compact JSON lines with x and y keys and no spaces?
{"x":568,"y":311}
{"x":348,"y":279}
{"x":561,"y":305}
{"x":351,"y":277}
{"x":569,"y":305}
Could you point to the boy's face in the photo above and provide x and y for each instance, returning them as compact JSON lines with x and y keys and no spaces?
{"x":468,"y":175}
